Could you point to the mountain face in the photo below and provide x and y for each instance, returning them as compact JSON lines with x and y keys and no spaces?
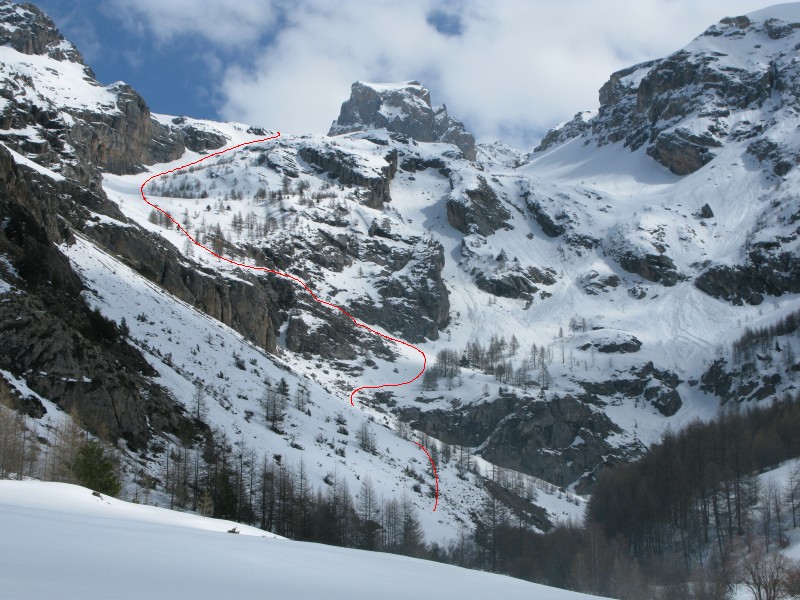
{"x":737,"y":81}
{"x":735,"y":86}
{"x":573,"y":303}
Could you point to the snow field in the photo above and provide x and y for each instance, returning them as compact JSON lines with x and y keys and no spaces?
{"x":61,"y":541}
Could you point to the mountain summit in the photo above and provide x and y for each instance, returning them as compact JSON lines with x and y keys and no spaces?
{"x":403,"y":108}
{"x":29,"y":31}
{"x":739,"y":80}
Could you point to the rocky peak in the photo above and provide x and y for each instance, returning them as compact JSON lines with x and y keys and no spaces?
{"x":28,"y":30}
{"x":684,"y":107}
{"x":403,"y":108}
{"x":566,"y":131}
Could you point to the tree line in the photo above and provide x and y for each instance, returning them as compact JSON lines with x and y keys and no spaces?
{"x":687,"y":520}
{"x":228,"y":480}
{"x":762,"y":343}
{"x":67,"y":453}
{"x":496,"y":358}
{"x":223,"y":478}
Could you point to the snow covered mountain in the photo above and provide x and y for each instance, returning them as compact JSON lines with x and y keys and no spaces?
{"x":573,"y":303}
{"x":113,"y":318}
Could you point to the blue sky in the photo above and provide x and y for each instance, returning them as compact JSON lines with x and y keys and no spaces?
{"x":510,"y":69}
{"x":173,"y":75}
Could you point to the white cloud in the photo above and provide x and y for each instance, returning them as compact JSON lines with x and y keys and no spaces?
{"x":227,"y":24}
{"x":517,"y":67}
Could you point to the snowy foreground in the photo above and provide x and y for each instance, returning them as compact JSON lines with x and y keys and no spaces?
{"x":60,"y":541}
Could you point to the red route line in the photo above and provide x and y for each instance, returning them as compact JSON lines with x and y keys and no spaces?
{"x":293,"y":278}
{"x":435,"y":474}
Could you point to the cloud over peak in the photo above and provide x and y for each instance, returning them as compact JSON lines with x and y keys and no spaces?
{"x":510,"y":70}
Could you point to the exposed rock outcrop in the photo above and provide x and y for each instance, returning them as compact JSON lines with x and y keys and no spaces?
{"x":658,"y":268}
{"x":625,"y":345}
{"x":50,"y":337}
{"x":652,"y":104}
{"x":514,"y":282}
{"x":349,"y":169}
{"x":28,"y":30}
{"x":593,"y":283}
{"x":575,"y":127}
{"x":552,"y":226}
{"x":682,"y":152}
{"x":198,"y":139}
{"x":333,"y":338}
{"x":253,"y":306}
{"x":647,"y":383}
{"x":769,"y":272}
{"x":125,"y":140}
{"x":742,"y":383}
{"x":477,"y":210}
{"x":403,"y":108}
{"x":781,"y":160}
{"x":414,"y":304}
{"x":110,"y":129}
{"x":559,"y":440}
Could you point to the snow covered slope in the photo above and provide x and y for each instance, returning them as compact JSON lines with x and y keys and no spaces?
{"x":60,"y":541}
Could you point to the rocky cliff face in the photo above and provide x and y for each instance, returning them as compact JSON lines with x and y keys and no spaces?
{"x":345,"y":168}
{"x":28,"y":30}
{"x":562,"y":440}
{"x":65,"y":351}
{"x":682,"y":108}
{"x":115,"y":134}
{"x":78,"y":132}
{"x":403,"y":108}
{"x":255,"y":307}
{"x":477,"y":208}
{"x":124,"y":140}
{"x":771,"y":270}
{"x":575,"y":127}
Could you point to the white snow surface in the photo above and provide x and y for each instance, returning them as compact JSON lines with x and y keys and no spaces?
{"x":61,"y":84}
{"x":788,"y":11}
{"x":60,"y":541}
{"x":393,"y":86}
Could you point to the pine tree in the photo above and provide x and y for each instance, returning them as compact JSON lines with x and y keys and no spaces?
{"x":367,"y":513}
{"x":493,"y":517}
{"x":96,"y":470}
{"x":283,"y":388}
{"x":199,"y":407}
{"x":513,"y":345}
{"x":274,"y":403}
{"x":303,"y":503}
{"x":218,"y":240}
{"x":365,"y":437}
{"x":411,"y":530}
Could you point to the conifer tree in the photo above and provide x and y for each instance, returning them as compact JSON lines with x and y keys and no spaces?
{"x":367,"y":513}
{"x":96,"y":470}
